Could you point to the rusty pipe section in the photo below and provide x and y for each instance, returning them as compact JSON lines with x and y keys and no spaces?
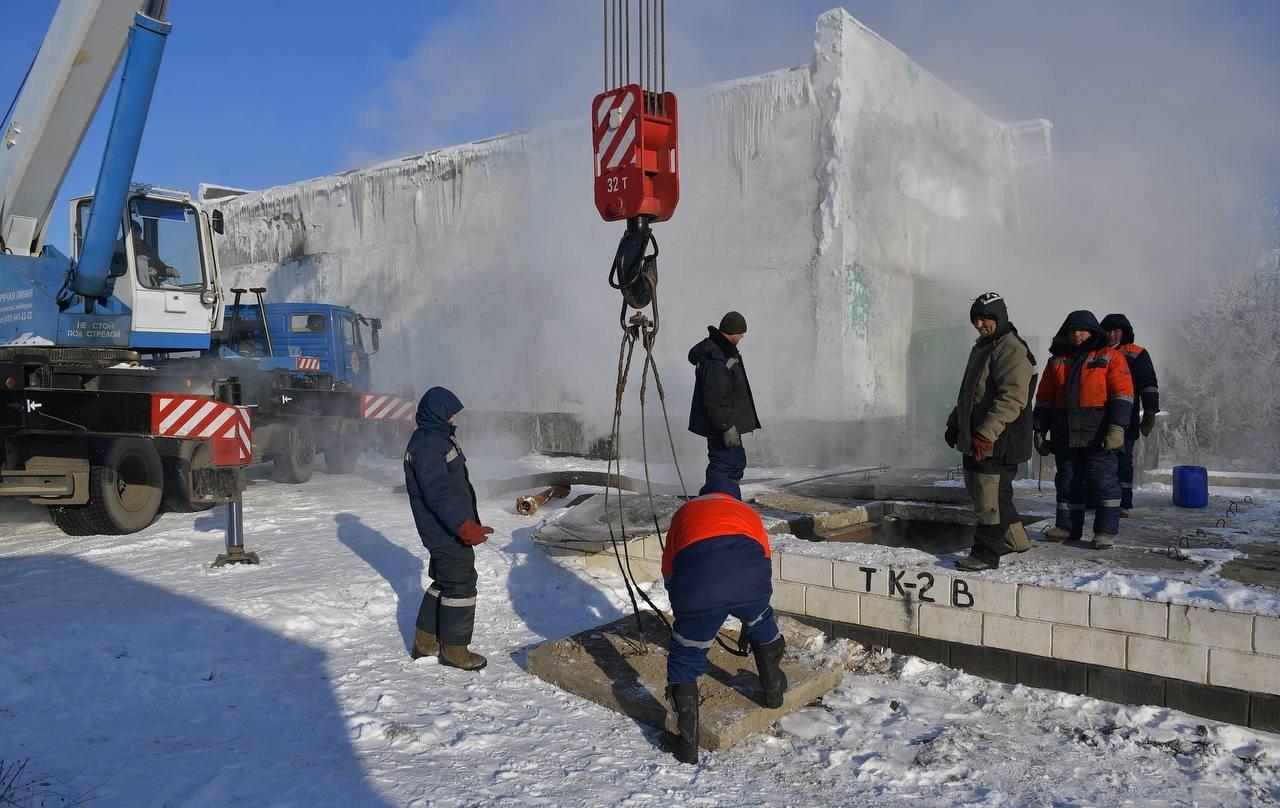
{"x":529,"y":505}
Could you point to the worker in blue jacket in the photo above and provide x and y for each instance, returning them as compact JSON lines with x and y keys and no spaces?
{"x":716,"y":564}
{"x":444,"y":510}
{"x":1147,"y":390}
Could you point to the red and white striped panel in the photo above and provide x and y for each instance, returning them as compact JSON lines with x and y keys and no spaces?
{"x":226,"y":426}
{"x":616,"y":124}
{"x":375,"y":407}
{"x":307,"y":363}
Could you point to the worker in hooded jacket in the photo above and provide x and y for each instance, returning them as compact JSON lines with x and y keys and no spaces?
{"x":1083,"y":406}
{"x":1147,"y":389}
{"x":444,"y":510}
{"x":722,"y":410}
{"x":716,"y":564}
{"x":991,"y":425}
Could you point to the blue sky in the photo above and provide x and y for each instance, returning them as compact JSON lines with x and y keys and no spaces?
{"x":254,"y":94}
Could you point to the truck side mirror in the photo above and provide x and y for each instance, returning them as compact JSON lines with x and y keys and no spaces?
{"x":375,"y":326}
{"x":216,"y":222}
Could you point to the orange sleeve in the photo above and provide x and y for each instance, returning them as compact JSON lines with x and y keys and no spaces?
{"x":1119,"y":380}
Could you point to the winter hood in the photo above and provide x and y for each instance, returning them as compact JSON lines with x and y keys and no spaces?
{"x":437,"y":406}
{"x":1121,"y":322}
{"x":1081,"y":320}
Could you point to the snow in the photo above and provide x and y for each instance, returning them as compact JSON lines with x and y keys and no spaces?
{"x":133,"y":674}
{"x":28,"y":338}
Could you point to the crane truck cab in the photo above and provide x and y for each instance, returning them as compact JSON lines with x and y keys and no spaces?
{"x":163,"y":283}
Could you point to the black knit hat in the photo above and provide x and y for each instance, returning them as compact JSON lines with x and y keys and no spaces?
{"x":733,"y":323}
{"x":990,"y":305}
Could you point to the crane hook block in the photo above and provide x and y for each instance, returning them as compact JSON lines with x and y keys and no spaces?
{"x":637,"y":167}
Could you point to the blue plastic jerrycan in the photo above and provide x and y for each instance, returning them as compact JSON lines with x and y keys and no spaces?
{"x":1190,"y":486}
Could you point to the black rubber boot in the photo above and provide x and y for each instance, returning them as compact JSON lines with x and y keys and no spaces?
{"x":684,"y":742}
{"x":769,"y":667}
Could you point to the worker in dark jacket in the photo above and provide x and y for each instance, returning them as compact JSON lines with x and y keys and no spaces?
{"x":991,"y":425}
{"x":716,"y":563}
{"x":1084,"y":403}
{"x":444,"y":510}
{"x":1147,"y":390}
{"x":722,"y":410}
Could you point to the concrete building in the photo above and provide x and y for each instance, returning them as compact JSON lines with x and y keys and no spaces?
{"x":821,"y":201}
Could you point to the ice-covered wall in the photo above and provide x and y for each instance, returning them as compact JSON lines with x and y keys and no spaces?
{"x":811,"y":199}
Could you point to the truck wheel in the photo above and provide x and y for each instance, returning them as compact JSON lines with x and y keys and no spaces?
{"x":392,"y":438}
{"x":177,"y":480}
{"x":342,"y":456}
{"x":297,"y":465}
{"x":126,"y":485}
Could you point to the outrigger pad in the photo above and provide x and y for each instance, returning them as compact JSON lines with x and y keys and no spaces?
{"x":604,"y":665}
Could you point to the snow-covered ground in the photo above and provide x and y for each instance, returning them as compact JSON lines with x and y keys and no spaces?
{"x":133,"y":674}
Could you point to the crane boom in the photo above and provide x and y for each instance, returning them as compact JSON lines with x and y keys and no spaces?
{"x":57,"y":103}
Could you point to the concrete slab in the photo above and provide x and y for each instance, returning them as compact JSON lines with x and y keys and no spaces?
{"x":608,"y":665}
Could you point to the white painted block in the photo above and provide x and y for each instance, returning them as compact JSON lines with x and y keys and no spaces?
{"x":1014,"y":634}
{"x":1192,"y":624}
{"x":1053,"y":605}
{"x":653,"y":549}
{"x":831,"y":604}
{"x":894,"y":614}
{"x":1089,"y":645}
{"x":954,"y":625}
{"x":776,"y":563}
{"x":806,"y":569}
{"x":1253,"y":672}
{"x":1266,"y":635}
{"x":992,"y":597}
{"x":1130,"y":615}
{"x":788,"y":597}
{"x":1175,"y":660}
{"x":865,"y":579}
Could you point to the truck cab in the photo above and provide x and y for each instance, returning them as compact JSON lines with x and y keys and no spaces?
{"x":337,"y":340}
{"x":164,"y":283}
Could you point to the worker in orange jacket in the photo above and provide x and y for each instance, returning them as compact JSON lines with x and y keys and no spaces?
{"x":1083,"y":405}
{"x":716,"y":564}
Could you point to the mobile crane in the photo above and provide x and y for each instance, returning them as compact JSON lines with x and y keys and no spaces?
{"x":89,"y":430}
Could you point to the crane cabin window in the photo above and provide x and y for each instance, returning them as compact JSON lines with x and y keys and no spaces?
{"x":166,"y":243}
{"x":119,"y":260}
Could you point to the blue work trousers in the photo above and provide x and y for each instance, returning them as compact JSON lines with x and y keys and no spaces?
{"x":693,"y":634}
{"x":1126,"y":476}
{"x":1088,"y":477}
{"x":725,"y":461}
{"x":448,"y":607}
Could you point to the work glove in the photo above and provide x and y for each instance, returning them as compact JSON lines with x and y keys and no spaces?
{"x":472,"y":534}
{"x":981,"y":449}
{"x":1114,"y":439}
{"x":952,"y":435}
{"x":1148,"y":422}
{"x":732,"y":438}
{"x":1041,"y":440}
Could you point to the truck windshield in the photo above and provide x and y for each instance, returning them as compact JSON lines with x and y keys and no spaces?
{"x":351,"y":333}
{"x":166,"y":243}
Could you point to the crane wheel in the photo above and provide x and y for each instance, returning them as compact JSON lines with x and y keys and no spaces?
{"x":126,"y":485}
{"x":342,"y":456}
{"x":297,"y":465}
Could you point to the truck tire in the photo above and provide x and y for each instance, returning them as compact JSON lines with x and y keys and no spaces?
{"x":392,"y":438}
{"x":177,"y":480}
{"x":296,"y":466}
{"x":342,"y":456}
{"x":126,"y":485}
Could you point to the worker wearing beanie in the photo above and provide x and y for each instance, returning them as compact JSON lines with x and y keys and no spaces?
{"x":991,"y":426}
{"x":722,"y":410}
